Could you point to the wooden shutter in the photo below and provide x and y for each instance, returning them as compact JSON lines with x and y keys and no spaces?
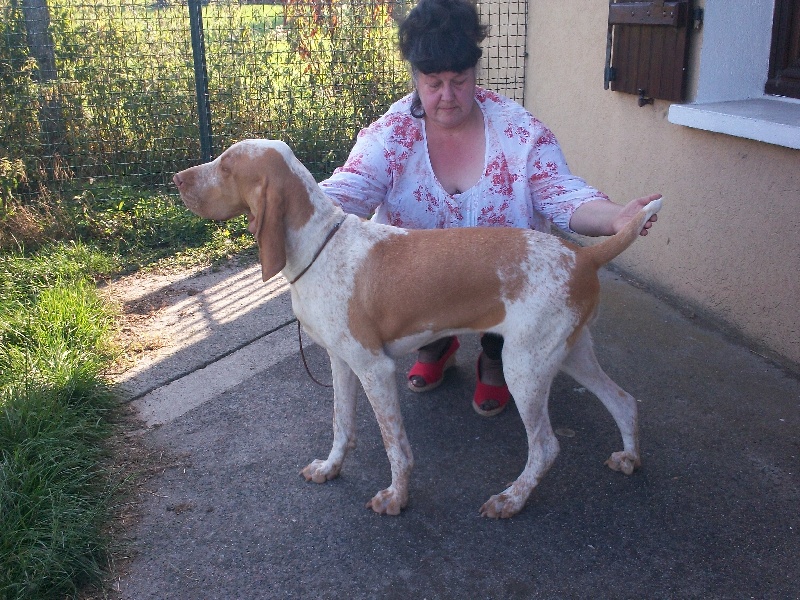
{"x":647,"y":47}
{"x":784,"y":62}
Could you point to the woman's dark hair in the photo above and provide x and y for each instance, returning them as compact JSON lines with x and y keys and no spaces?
{"x":441,"y":35}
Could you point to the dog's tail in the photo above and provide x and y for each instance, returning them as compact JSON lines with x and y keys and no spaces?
{"x":610,"y":248}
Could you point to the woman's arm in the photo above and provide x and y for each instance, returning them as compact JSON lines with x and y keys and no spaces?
{"x":360,"y":185}
{"x":555,"y":192}
{"x":567,"y":200}
{"x":603,"y":217}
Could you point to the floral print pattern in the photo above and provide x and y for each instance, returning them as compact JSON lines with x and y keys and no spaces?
{"x":526,"y":181}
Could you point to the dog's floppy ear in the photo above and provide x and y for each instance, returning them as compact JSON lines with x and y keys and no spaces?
{"x":282,"y":203}
{"x":270,"y":230}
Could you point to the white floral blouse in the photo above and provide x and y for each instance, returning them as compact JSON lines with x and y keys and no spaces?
{"x":526,"y":182}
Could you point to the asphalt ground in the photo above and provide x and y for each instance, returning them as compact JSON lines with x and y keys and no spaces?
{"x":712,"y":513}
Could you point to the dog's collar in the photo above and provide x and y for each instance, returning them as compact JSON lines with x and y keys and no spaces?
{"x":330,"y":235}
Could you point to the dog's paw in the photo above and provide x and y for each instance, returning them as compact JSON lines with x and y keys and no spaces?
{"x":388,"y":502}
{"x":502,"y":506}
{"x":320,"y":471}
{"x":624,"y":462}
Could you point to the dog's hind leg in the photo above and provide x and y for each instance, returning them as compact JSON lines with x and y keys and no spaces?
{"x":345,"y":390}
{"x":581,"y":364}
{"x":530,"y":392}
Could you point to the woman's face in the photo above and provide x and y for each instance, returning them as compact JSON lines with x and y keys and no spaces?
{"x":448,"y":98}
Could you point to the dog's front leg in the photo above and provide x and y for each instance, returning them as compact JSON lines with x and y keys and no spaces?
{"x":381,"y":389}
{"x":345,"y":390}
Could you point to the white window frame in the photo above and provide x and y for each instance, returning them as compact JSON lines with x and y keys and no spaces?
{"x":733,"y":69}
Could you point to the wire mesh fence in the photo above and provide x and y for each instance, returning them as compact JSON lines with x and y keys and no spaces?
{"x":104,"y":94}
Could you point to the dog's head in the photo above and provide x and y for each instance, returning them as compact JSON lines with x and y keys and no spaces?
{"x":258,"y":178}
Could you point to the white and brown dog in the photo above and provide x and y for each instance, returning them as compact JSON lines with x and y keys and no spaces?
{"x":369,"y":293}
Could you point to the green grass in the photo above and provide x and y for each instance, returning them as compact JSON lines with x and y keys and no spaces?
{"x":144,"y":229}
{"x":57,"y":414}
{"x":55,"y":500}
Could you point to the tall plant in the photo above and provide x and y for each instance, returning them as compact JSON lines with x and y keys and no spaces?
{"x":19,"y":126}
{"x":346,"y":52}
{"x":309,"y":73}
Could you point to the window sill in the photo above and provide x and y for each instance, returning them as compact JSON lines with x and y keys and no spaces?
{"x":769,"y":119}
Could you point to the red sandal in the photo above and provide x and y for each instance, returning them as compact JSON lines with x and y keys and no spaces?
{"x":489,"y":400}
{"x":433,"y":373}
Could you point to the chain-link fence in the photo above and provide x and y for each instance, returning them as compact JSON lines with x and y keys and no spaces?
{"x":110,"y":93}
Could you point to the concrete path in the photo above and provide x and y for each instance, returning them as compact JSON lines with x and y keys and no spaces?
{"x":713,"y":513}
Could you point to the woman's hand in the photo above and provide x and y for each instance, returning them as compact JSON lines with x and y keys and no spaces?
{"x":631,"y":209}
{"x":603,"y":217}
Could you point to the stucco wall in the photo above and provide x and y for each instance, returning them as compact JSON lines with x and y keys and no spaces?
{"x":728,"y":240}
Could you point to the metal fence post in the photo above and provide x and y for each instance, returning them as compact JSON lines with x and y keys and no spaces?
{"x":201,"y":79}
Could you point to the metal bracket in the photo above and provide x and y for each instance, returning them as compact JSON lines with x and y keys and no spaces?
{"x":698,"y":14}
{"x":657,"y":12}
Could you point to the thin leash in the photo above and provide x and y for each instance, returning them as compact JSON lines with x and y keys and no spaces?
{"x":327,"y":239}
{"x":305,"y":362}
